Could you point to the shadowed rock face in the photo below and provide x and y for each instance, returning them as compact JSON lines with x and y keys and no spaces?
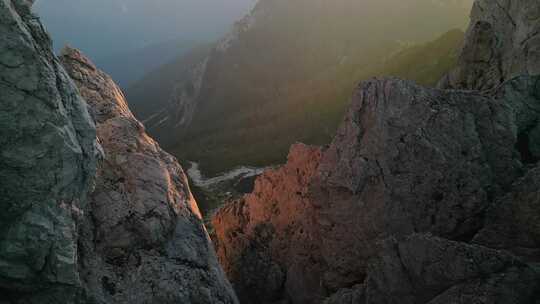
{"x":411,"y":202}
{"x":83,"y":222}
{"x":47,"y":164}
{"x":406,"y":160}
{"x":427,"y":269}
{"x":503,"y":41}
{"x":413,"y":160}
{"x":513,"y":222}
{"x":145,"y":241}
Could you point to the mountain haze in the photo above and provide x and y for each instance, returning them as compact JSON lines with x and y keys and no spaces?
{"x":426,"y":192}
{"x":285,"y":72}
{"x":129,"y":67}
{"x":129,"y":38}
{"x":424,"y":196}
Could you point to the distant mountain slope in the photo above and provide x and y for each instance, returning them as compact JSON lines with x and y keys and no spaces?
{"x":284,"y":74}
{"x":425,"y":63}
{"x":260,"y":136}
{"x":152,"y":94}
{"x":131,"y":65}
{"x":104,"y":27}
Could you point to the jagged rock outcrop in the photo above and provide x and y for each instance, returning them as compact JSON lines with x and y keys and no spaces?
{"x":406,"y":160}
{"x":413,"y":160}
{"x":264,"y":240}
{"x":145,"y":242}
{"x":47,"y":163}
{"x":503,"y":41}
{"x":420,"y":198}
{"x":427,"y":269}
{"x":82,"y":221}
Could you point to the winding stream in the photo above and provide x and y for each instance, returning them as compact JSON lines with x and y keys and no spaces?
{"x":200,"y":180}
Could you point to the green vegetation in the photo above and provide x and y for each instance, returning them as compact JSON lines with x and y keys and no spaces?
{"x":261,"y":134}
{"x":156,"y":88}
{"x":289,"y":73}
{"x":425,"y":63}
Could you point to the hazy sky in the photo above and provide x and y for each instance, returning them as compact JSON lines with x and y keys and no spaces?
{"x":102,"y":27}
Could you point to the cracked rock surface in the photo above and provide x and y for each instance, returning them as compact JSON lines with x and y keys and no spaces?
{"x":503,"y":41}
{"x":424,"y":196}
{"x":143,"y":240}
{"x":93,"y":210}
{"x":427,"y":269}
{"x":47,"y":164}
{"x":407,"y":160}
{"x":266,"y":240}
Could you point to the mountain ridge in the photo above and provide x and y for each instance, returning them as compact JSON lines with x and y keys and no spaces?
{"x":295,"y":89}
{"x":425,"y":195}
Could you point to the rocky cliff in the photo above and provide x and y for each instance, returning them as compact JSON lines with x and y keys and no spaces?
{"x":47,"y":165}
{"x":502,"y":42}
{"x":94,"y":210}
{"x":145,"y":241}
{"x":424,"y":196}
{"x":268,"y":241}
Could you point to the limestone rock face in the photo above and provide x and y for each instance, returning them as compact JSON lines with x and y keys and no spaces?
{"x":513,"y":222}
{"x":145,"y":241}
{"x":424,"y":196}
{"x":427,"y":269}
{"x":265,"y":241}
{"x":406,"y":160}
{"x":503,"y":41}
{"x":88,"y":215}
{"x":48,"y":158}
{"x":412,"y":160}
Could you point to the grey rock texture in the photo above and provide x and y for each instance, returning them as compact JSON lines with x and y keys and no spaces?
{"x":47,"y":164}
{"x":406,"y":160}
{"x":427,"y":269}
{"x":513,"y":222}
{"x":424,"y":196}
{"x":143,"y":240}
{"x":503,"y":41}
{"x":91,"y":214}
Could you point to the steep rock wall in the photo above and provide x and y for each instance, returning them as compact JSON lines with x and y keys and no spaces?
{"x":267,"y":239}
{"x":414,"y":199}
{"x":143,"y":237}
{"x":503,"y":41}
{"x":47,"y":164}
{"x":91,"y":214}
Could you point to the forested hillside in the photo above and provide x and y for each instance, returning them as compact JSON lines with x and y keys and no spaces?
{"x":261,"y":134}
{"x":286,"y":71}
